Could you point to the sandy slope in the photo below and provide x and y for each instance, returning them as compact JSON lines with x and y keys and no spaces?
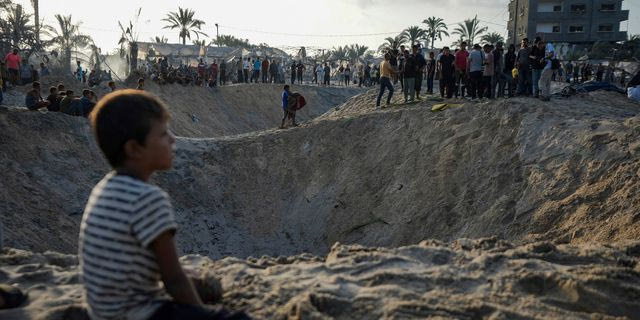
{"x":467,"y":279}
{"x":210,"y":112}
{"x":517,"y":169}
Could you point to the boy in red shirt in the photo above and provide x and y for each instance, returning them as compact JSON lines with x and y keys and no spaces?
{"x":13,"y":65}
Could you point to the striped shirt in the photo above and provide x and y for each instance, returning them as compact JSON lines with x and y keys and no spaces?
{"x":118,"y":269}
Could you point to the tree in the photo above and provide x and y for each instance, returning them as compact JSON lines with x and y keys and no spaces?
{"x":129,"y":36}
{"x":184,"y":21}
{"x":356,"y":51}
{"x":16,"y":30}
{"x":414,"y":34}
{"x":392,"y":44}
{"x":492,"y":38}
{"x":470,"y":29}
{"x":161,"y":39}
{"x":66,"y":38}
{"x":231,"y":41}
{"x":436,"y":28}
{"x":340,"y":53}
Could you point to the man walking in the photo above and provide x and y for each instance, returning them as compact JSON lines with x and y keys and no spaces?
{"x":245,"y":69}
{"x":498,"y":80}
{"x":488,"y":72}
{"x":431,"y":72}
{"x":327,"y":74}
{"x":537,"y":65}
{"x":386,"y":71}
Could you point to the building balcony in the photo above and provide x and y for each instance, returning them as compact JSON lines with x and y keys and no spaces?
{"x":577,"y":37}
{"x":619,"y":15}
{"x":549,"y":16}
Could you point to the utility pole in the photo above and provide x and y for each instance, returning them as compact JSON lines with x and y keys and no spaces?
{"x":217,"y":35}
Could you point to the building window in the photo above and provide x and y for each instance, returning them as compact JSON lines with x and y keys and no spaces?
{"x":555,"y":29}
{"x":608,"y":7}
{"x":576,"y":29}
{"x":557,"y":8}
{"x":605,"y":28}
{"x":579,"y":8}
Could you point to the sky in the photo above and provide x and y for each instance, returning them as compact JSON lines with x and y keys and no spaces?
{"x":319,"y":24}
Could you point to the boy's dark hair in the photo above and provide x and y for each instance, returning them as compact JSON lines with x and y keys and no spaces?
{"x":286,"y":87}
{"x":60,"y":86}
{"x":122,"y":116}
{"x":35,"y":84}
{"x":140,"y":80}
{"x":52,"y":89}
{"x":86,"y":92}
{"x":69,"y":92}
{"x":111,"y":83}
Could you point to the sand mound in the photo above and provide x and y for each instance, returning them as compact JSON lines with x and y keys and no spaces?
{"x":566,"y":171}
{"x":467,"y":279}
{"x":210,"y":112}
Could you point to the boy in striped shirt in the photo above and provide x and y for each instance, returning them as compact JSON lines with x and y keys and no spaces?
{"x":127,"y":233}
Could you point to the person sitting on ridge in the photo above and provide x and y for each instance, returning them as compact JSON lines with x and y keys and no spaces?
{"x":33,"y":100}
{"x":140,"y":84}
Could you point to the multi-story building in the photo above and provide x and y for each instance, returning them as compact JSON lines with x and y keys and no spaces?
{"x":571,"y":22}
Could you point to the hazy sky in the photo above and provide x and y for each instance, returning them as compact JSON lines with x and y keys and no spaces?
{"x":319,"y":23}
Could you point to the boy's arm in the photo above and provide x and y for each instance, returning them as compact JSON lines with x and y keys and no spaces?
{"x":174,"y":278}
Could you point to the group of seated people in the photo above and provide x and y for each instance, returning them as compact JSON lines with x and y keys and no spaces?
{"x":61,"y":100}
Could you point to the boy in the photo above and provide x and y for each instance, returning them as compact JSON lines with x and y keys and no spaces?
{"x":126,"y":236}
{"x":288,"y":112}
{"x":33,"y":100}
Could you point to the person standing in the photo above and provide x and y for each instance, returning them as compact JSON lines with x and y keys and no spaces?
{"x":246,"y":65}
{"x":421,"y":63}
{"x":265,"y":70}
{"x":475,"y":67}
{"x":367,"y":75}
{"x":447,"y":73}
{"x":12,"y":61}
{"x":547,"y":72}
{"x":498,"y":80}
{"x":320,"y":74}
{"x":327,"y":74}
{"x":347,"y":75}
{"x":360,"y":75}
{"x":431,"y":71}
{"x":408,"y":76}
{"x":507,"y":72}
{"x":461,"y":69}
{"x":300,"y":72}
{"x":341,"y":73}
{"x":523,"y":63}
{"x":223,"y":72}
{"x":273,"y":71}
{"x":239,"y":71}
{"x":488,"y":72}
{"x":537,"y":65}
{"x":257,"y":66}
{"x":400,"y":58}
{"x":294,"y":69}
{"x":386,"y":71}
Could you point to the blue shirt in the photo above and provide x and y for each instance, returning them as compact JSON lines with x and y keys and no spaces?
{"x":257,"y":65}
{"x":285,"y":99}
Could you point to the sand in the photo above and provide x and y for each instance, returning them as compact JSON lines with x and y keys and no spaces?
{"x":401,"y":188}
{"x":467,"y":279}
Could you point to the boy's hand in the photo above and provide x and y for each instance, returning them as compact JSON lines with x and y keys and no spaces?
{"x":173,"y":277}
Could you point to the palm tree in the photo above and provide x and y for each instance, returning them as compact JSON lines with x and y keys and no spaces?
{"x":66,"y":38}
{"x":414,"y":34}
{"x":492,"y":38}
{"x":161,"y":39}
{"x":356,"y":51}
{"x":16,"y":28}
{"x":230,"y":41}
{"x":392,"y":44}
{"x":470,"y":29}
{"x":340,"y":53}
{"x":435,"y":29}
{"x":185,"y":21}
